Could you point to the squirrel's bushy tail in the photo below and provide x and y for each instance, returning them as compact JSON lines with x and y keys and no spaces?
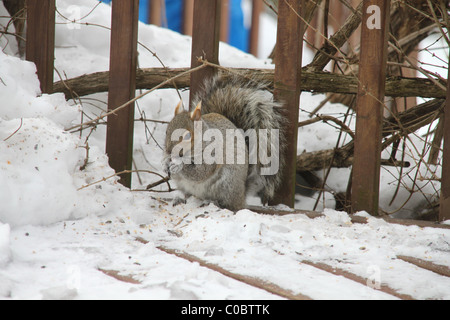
{"x":247,"y":103}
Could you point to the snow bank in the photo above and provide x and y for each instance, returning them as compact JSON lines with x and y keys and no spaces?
{"x":36,"y":165}
{"x":37,"y":157}
{"x":5,"y":257}
{"x":4,"y":244}
{"x":39,"y":161}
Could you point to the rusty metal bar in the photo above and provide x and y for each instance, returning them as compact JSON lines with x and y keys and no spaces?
{"x":369,"y":106}
{"x":205,"y":41}
{"x":288,"y":59}
{"x":40,"y":46}
{"x":444,"y":208}
{"x":122,"y":84}
{"x":254,"y":30}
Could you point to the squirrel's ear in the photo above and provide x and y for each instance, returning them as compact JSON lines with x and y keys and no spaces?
{"x":179,"y":108}
{"x":197,"y":113}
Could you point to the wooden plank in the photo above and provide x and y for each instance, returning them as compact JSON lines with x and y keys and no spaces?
{"x":255,"y":282}
{"x":419,"y":223}
{"x":436,"y":268}
{"x":369,"y":106}
{"x":122,"y":83}
{"x":188,"y":15}
{"x":353,"y":218}
{"x":205,"y":41}
{"x":17,"y":11}
{"x":257,"y":8}
{"x":224,"y":20}
{"x":347,"y":274}
{"x":40,"y":46}
{"x":121,"y":277}
{"x":288,"y":59}
{"x":154,"y":13}
{"x":444,"y":208}
{"x":276,"y":212}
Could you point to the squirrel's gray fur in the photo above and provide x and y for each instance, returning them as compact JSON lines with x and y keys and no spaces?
{"x":243,"y":103}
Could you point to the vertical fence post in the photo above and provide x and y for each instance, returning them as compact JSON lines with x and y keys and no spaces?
{"x":205,"y":41}
{"x":188,"y":15}
{"x":224,"y":20}
{"x":288,"y":58}
{"x":369,"y":106}
{"x":257,"y":7}
{"x":122,"y":86}
{"x":154,"y":12}
{"x":444,"y":208}
{"x":40,"y":46}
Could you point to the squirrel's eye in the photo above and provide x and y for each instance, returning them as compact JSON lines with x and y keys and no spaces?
{"x":187,"y":136}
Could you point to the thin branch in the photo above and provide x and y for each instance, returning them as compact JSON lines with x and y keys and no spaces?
{"x":420,"y":69}
{"x":126,"y":104}
{"x":118,"y":174}
{"x":17,"y":130}
{"x":337,"y":40}
{"x":326,"y":118}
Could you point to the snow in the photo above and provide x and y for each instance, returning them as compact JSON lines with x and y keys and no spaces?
{"x":57,"y":233}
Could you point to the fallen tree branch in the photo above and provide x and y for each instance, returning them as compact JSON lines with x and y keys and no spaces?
{"x":167,"y":81}
{"x":317,"y":82}
{"x":326,"y":118}
{"x":401,"y":125}
{"x":330,"y":48}
{"x":318,"y":160}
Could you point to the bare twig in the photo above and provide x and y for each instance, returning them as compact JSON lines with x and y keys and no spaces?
{"x":126,"y":104}
{"x":17,"y":130}
{"x":118,"y":174}
{"x":326,"y":118}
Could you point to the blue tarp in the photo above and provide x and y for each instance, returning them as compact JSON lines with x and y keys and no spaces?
{"x":238,"y":34}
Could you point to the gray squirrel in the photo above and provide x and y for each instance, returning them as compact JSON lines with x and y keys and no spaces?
{"x":229,"y":146}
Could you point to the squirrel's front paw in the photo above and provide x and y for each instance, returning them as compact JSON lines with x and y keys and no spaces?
{"x":178,"y":201}
{"x":175,"y":167}
{"x":172,"y":166}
